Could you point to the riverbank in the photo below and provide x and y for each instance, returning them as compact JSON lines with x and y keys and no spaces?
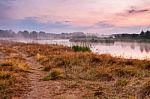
{"x":53,"y":71}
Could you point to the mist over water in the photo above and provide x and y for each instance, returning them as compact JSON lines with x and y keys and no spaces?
{"x":132,"y":50}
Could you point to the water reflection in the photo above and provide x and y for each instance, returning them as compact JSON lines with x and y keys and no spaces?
{"x":125,"y":49}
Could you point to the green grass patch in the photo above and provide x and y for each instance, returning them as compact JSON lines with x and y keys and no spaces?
{"x":78,"y":48}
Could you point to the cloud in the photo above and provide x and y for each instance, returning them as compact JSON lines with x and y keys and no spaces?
{"x":135,"y":11}
{"x":104,"y":24}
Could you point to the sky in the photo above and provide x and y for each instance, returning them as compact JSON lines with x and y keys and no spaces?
{"x":89,"y":16}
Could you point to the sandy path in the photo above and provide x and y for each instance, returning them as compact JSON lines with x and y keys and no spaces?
{"x":48,"y":89}
{"x":39,"y":89}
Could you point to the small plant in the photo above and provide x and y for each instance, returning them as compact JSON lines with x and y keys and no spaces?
{"x":103,"y":74}
{"x":78,"y":48}
{"x":5,"y":64}
{"x":129,"y":62}
{"x":121,"y":82}
{"x":23,"y":66}
{"x":147,"y":66}
{"x":39,"y":57}
{"x":47,"y":68}
{"x":145,"y":91}
{"x":18,"y":64}
{"x":104,"y":77}
{"x":53,"y":75}
{"x":126,"y":72}
{"x":5,"y":75}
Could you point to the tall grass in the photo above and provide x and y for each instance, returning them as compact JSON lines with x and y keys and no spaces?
{"x":78,"y":48}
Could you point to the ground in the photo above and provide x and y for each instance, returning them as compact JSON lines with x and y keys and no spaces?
{"x":34,"y":71}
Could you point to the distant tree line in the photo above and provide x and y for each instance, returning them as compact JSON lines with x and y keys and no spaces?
{"x":7,"y":33}
{"x":142,"y":35}
{"x":26,"y":34}
{"x":38,"y":35}
{"x":23,"y":34}
{"x":145,"y":35}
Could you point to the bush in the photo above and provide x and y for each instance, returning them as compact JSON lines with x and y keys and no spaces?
{"x":145,"y":90}
{"x":47,"y":68}
{"x":78,"y":48}
{"x":5,"y":75}
{"x":39,"y":57}
{"x":147,"y":66}
{"x":129,"y":62}
{"x":53,"y":75}
{"x":126,"y":72}
{"x":121,"y":82}
{"x":5,"y":64}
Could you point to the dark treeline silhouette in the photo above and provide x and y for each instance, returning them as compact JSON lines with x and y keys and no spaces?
{"x":79,"y":36}
{"x":38,"y":35}
{"x":143,"y":35}
{"x":7,"y":33}
{"x":26,"y":34}
{"x":21,"y":34}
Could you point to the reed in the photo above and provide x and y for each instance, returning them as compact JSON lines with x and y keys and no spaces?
{"x":78,"y":48}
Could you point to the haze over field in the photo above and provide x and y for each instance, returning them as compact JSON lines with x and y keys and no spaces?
{"x":94,"y":16}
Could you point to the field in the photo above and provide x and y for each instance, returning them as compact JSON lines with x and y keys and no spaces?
{"x":34,"y":71}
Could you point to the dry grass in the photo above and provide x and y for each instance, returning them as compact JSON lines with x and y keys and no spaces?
{"x":144,"y":92}
{"x":115,"y":76}
{"x":54,"y":74}
{"x":86,"y":66}
{"x":12,"y":70}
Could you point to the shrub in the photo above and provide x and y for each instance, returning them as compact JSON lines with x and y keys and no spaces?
{"x":95,"y":59}
{"x":129,"y":62}
{"x":126,"y":72}
{"x":4,"y":75}
{"x":78,"y":48}
{"x":47,"y":68}
{"x":39,"y":57}
{"x":111,"y":61}
{"x":18,"y":64}
{"x":147,"y":66}
{"x":23,"y":66}
{"x":104,"y":77}
{"x":145,"y":90}
{"x":121,"y":82}
{"x":5,"y":64}
{"x":104,"y":74}
{"x":53,"y":75}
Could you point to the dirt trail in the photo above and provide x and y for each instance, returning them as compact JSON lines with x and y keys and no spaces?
{"x":39,"y":89}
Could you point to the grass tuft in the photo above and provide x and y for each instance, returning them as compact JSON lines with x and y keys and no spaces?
{"x":53,"y":75}
{"x":5,"y":75}
{"x":5,"y":64}
{"x":145,"y":90}
{"x":121,"y":82}
{"x":78,"y":48}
